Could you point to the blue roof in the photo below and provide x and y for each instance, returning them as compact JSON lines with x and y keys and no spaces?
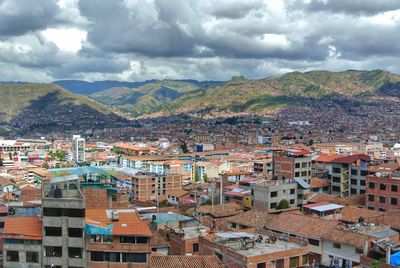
{"x":302,"y":183}
{"x":166,"y":217}
{"x":79,"y":171}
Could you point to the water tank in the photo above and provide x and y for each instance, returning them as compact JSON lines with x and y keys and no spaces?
{"x":115,"y":215}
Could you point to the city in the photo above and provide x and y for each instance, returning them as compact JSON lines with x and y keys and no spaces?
{"x":199,"y":134}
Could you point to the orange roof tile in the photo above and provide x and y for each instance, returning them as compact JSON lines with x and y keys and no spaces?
{"x":129,"y":223}
{"x":185,"y":262}
{"x":23,"y":227}
{"x":318,"y":183}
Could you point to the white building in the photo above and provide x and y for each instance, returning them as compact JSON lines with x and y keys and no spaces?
{"x":78,"y":148}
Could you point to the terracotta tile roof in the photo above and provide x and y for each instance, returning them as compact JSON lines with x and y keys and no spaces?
{"x":353,"y":200}
{"x":327,"y":158}
{"x":301,"y":225}
{"x":321,"y":197}
{"x":318,"y":183}
{"x":129,"y":223}
{"x":185,"y":262}
{"x":226,"y":210}
{"x":352,"y":158}
{"x":348,"y":237}
{"x":177,"y":192}
{"x":252,"y":218}
{"x":23,"y":227}
{"x":352,"y":214}
{"x":385,"y":168}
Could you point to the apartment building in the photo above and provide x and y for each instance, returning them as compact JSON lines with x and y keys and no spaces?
{"x":63,"y":208}
{"x":21,"y":242}
{"x":348,"y":175}
{"x":383,"y":192}
{"x":78,"y":148}
{"x":290,"y":164}
{"x":117,"y":238}
{"x":268,"y":194}
{"x":255,"y":249}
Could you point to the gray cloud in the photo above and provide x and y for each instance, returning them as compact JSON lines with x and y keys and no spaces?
{"x":208,"y":39}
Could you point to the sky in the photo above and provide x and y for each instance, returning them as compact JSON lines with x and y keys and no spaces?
{"x":135,"y":40}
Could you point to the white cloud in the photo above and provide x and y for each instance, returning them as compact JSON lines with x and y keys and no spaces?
{"x":67,"y":39}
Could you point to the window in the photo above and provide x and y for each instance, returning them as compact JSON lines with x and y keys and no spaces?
{"x":112,"y":256}
{"x":393,"y":200}
{"x":219,"y":255}
{"x":141,"y":240}
{"x":336,"y":170}
{"x":354,"y":172}
{"x":353,"y":181}
{"x":134,"y":257}
{"x":304,"y":164}
{"x":52,"y":212}
{"x":233,"y":225}
{"x":371,"y":185}
{"x":273,"y":205}
{"x":362,"y":182}
{"x":335,"y":179}
{"x":382,"y":209}
{"x":364,"y":173}
{"x":353,"y":191}
{"x":127,"y":239}
{"x":12,"y":256}
{"x":96,"y":256}
{"x":74,"y":212}
{"x":32,"y":256}
{"x":195,"y":247}
{"x":371,"y":208}
{"x":394,"y":188}
{"x":261,"y":265}
{"x":75,"y":253}
{"x":297,"y":165}
{"x":313,"y":242}
{"x":335,"y":189}
{"x":291,"y":201}
{"x":292,"y":191}
{"x":382,"y":187}
{"x":53,"y":231}
{"x":362,"y":191}
{"x":371,"y":198}
{"x":337,"y":246}
{"x":381,"y":199}
{"x":75,"y":232}
{"x":53,"y":251}
{"x":304,"y":173}
{"x":274,"y":194}
{"x":294,"y":261}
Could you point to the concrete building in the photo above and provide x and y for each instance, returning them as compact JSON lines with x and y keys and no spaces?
{"x":255,"y":250}
{"x":268,"y":194}
{"x":78,"y":148}
{"x":21,"y":242}
{"x":63,"y":208}
{"x":117,"y":238}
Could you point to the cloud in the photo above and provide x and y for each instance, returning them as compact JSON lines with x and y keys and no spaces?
{"x":208,"y":39}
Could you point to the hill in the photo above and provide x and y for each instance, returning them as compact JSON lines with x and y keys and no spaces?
{"x":271,"y":94}
{"x":87,"y":88}
{"x":46,"y":107}
{"x":149,"y":97}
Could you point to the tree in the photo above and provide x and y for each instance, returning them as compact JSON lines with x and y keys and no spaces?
{"x":1,"y":161}
{"x":184,"y":148}
{"x":205,"y":177}
{"x":283,"y":204}
{"x":45,"y":165}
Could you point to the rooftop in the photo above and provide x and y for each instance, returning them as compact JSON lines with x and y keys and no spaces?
{"x":185,"y":262}
{"x":29,"y":228}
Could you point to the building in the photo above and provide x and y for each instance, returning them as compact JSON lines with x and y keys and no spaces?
{"x":117,"y":238}
{"x":255,"y":250}
{"x":21,"y":242}
{"x":63,"y":208}
{"x":185,"y":241}
{"x":78,"y":148}
{"x":383,"y":192}
{"x":185,"y":262}
{"x":268,"y":194}
{"x":292,"y":164}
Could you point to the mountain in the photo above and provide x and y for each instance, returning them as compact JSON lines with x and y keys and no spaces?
{"x":28,"y":107}
{"x":273,"y":93}
{"x":149,"y":97}
{"x":87,"y":88}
